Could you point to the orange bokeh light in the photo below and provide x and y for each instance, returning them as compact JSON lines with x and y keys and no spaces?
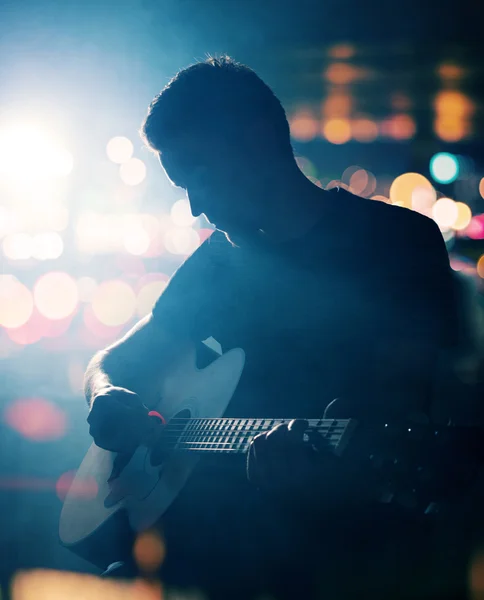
{"x":36,"y":419}
{"x":336,"y":105}
{"x":337,"y":131}
{"x":341,"y":73}
{"x":149,"y":551}
{"x":364,"y":130}
{"x":304,"y":127}
{"x":342,"y":51}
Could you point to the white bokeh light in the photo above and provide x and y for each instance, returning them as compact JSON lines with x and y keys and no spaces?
{"x":16,"y":302}
{"x":119,"y":149}
{"x":56,"y":295}
{"x":133,"y":172}
{"x":181,"y":214}
{"x":47,"y":246}
{"x":137,"y":241}
{"x":181,"y":240}
{"x":18,"y":246}
{"x":445,"y":212}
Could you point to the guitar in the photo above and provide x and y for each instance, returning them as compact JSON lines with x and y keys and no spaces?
{"x":97,"y":524}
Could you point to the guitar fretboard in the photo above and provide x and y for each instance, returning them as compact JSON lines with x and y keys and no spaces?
{"x":234,"y":435}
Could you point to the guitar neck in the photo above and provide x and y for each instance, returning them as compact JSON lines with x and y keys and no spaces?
{"x":233,"y":436}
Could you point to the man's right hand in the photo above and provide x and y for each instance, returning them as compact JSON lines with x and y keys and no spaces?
{"x":118,"y":420}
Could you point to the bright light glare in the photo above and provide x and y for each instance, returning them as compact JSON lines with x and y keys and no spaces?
{"x":445,"y":212}
{"x":181,"y":214}
{"x":179,"y":240}
{"x":114,"y":303}
{"x":444,"y":167}
{"x":85,"y":288}
{"x":47,"y":246}
{"x":423,"y":198}
{"x":56,"y":295}
{"x":119,"y":149}
{"x":29,"y":153}
{"x":132,"y":172}
{"x":16,"y":302}
{"x":137,"y":240}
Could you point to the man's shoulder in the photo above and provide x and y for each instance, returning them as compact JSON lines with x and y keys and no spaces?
{"x":378,"y":216}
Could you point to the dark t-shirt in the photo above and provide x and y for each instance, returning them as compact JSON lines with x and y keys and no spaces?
{"x":356,"y":309}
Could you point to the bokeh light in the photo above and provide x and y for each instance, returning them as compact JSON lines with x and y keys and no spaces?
{"x":114,"y":303}
{"x":340,"y":73}
{"x":137,"y":240}
{"x":362,"y":183}
{"x":445,"y":212}
{"x":85,"y":288}
{"x":364,"y":130}
{"x":149,"y":293}
{"x":55,"y":295}
{"x":337,"y":131}
{"x":149,"y":551}
{"x":133,"y":172}
{"x":181,"y":214}
{"x":422,"y":200}
{"x":464,"y":216}
{"x":481,"y":187}
{"x":18,"y":246}
{"x":36,"y":419}
{"x":119,"y":149}
{"x":47,"y":246}
{"x":342,"y":51}
{"x":304,"y":127}
{"x":16,"y":302}
{"x":444,"y":167}
{"x":399,"y":127}
{"x":404,"y":186}
{"x":181,"y":240}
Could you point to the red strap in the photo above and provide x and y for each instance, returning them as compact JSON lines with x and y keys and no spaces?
{"x":154,"y":413}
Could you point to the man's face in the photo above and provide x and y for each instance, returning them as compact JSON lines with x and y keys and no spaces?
{"x":220,"y":183}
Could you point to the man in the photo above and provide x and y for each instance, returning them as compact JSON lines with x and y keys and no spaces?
{"x":330,"y":296}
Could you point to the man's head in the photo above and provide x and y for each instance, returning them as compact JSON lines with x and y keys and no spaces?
{"x":218,"y":130}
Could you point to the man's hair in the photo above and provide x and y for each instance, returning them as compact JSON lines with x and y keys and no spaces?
{"x":217,"y":94}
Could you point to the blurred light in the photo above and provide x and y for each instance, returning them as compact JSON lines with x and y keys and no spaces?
{"x":85,"y":488}
{"x":364,"y":130}
{"x":337,"y":104}
{"x":401,"y":102}
{"x":422,"y":200}
{"x":337,"y":131}
{"x":380,"y":198}
{"x":451,"y":103}
{"x":445,"y":212}
{"x":43,"y":584}
{"x":181,"y":214}
{"x":114,"y":303}
{"x":403,"y":187}
{"x":29,"y":153}
{"x":480,"y":267}
{"x":475,"y":229}
{"x":149,"y":551}
{"x":204,"y":234}
{"x":85,"y":288}
{"x":444,"y":167}
{"x":450,"y":71}
{"x":181,"y":240}
{"x":476,"y":577}
{"x":119,"y":149}
{"x":132,"y":172}
{"x":137,"y":241}
{"x":342,"y":73}
{"x":18,"y":246}
{"x":481,"y":187}
{"x":451,"y":129}
{"x":36,"y":419}
{"x":96,"y":331}
{"x":16,"y":302}
{"x":464,"y":216}
{"x":47,"y":246}
{"x":38,"y":327}
{"x":55,"y":295}
{"x":342,"y":51}
{"x":148,"y":295}
{"x":399,"y":127}
{"x":304,"y":127}
{"x":362,"y":183}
